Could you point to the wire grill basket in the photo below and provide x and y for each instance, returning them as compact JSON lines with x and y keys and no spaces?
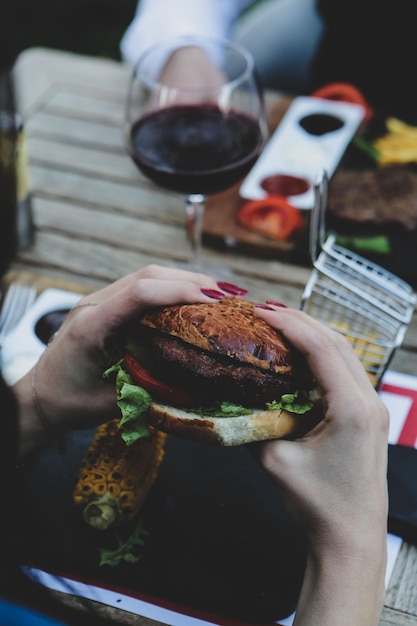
{"x":369,"y":305}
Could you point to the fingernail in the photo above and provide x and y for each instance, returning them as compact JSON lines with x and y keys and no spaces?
{"x":232,"y":289}
{"x":284,"y":306}
{"x":212,"y":293}
{"x":263,"y":306}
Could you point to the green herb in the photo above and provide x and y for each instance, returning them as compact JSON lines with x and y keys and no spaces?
{"x":377,"y":243}
{"x":366,"y":147}
{"x":298,"y":402}
{"x":222,"y":409}
{"x":129,"y":551}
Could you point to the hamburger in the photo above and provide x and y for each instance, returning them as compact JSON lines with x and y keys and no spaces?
{"x":214,"y":372}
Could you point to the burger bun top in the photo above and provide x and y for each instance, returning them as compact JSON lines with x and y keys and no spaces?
{"x":228,"y":327}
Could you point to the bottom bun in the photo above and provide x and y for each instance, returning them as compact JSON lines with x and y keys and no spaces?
{"x":233,"y":431}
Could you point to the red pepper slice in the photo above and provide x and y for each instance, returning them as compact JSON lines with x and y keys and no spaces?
{"x":344,"y":92}
{"x":272,"y":217}
{"x":157,"y":389}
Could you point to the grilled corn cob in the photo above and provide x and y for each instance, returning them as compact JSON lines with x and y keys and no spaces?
{"x":114,"y":479}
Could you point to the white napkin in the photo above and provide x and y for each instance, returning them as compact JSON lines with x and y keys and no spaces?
{"x":22,"y":348}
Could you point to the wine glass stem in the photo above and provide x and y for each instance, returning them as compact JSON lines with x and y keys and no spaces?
{"x":195,"y":206}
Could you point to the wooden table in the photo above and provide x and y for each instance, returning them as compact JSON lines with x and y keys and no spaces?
{"x":97,"y":218}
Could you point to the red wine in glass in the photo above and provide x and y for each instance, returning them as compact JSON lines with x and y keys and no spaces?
{"x":195,"y":148}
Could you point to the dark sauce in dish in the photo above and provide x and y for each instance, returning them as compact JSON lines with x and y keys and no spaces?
{"x":285,"y":185}
{"x":321,"y":123}
{"x":49,"y":323}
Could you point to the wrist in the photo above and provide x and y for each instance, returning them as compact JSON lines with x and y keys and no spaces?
{"x":34,"y":427}
{"x":344,"y":585}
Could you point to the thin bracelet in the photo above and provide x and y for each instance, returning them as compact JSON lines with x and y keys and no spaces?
{"x":52,"y":434}
{"x":81,"y":306}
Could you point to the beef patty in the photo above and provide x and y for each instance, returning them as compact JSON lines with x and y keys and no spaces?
{"x":212,"y":377}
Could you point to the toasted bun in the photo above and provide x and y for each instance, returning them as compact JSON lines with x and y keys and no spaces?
{"x":260,"y":425}
{"x":228,"y":327}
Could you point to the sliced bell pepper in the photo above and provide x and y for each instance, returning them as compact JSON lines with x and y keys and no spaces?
{"x":344,"y":92}
{"x":272,"y":217}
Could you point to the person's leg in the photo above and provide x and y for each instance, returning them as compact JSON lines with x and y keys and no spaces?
{"x":283,"y":36}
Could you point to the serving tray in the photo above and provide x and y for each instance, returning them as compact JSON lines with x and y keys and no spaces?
{"x":312,"y":136}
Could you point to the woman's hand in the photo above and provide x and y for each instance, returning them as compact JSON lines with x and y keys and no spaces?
{"x":191,"y":68}
{"x":333,"y":480}
{"x":67,"y":386}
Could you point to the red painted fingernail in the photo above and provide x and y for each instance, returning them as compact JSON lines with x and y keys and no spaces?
{"x":212,"y":293}
{"x":284,"y":306}
{"x":263,"y":306}
{"x":232,"y":289}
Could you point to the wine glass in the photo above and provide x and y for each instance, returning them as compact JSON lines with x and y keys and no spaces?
{"x":195,"y":122}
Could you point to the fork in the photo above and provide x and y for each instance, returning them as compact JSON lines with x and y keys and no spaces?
{"x":18,"y":299}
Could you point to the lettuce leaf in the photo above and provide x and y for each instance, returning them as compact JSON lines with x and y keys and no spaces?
{"x":222,"y":409}
{"x":133,"y":402}
{"x":298,"y":402}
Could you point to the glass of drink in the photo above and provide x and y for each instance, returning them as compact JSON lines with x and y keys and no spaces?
{"x":195,"y":121}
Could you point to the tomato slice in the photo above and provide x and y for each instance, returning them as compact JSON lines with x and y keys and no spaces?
{"x":272,"y":217}
{"x":344,"y":92}
{"x":157,"y":389}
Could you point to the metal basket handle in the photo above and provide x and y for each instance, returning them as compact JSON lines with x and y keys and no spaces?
{"x":317,"y":225}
